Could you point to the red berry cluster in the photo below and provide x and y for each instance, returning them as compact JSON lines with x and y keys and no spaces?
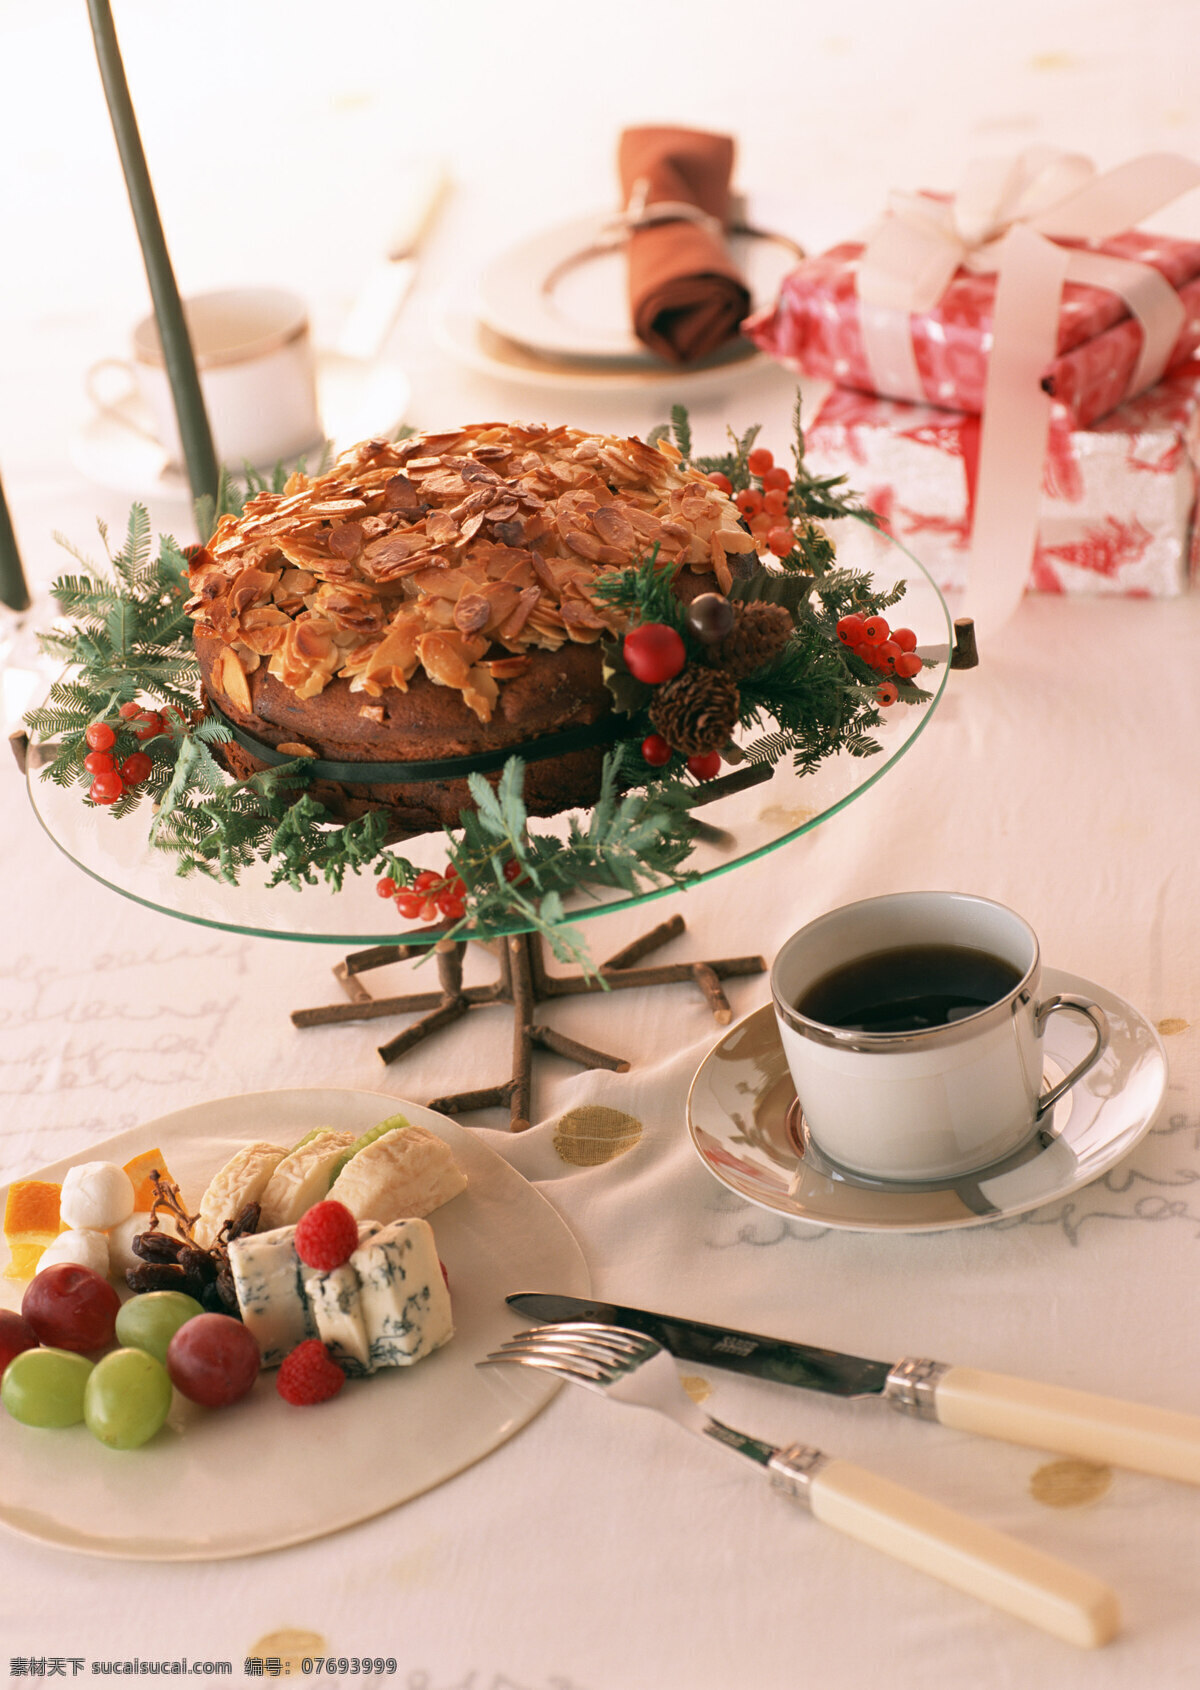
{"x":889,"y":651}
{"x":112,"y":778}
{"x":766,"y":511}
{"x":431,"y":895}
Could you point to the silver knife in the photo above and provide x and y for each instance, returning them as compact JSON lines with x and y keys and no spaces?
{"x":419,"y":193}
{"x":967,"y":1399}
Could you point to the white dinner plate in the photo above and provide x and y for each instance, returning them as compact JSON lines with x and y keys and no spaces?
{"x":356,"y":400}
{"x":469,"y":342}
{"x":585,"y":314}
{"x":218,"y":1483}
{"x":748,"y":1131}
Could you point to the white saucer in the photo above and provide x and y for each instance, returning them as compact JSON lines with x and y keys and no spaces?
{"x":586,"y":313}
{"x":747,"y":1130}
{"x":469,"y":342}
{"x":356,"y":400}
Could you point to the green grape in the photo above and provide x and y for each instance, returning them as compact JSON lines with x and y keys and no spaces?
{"x":127,"y":1398}
{"x":45,"y":1387}
{"x":150,"y":1321}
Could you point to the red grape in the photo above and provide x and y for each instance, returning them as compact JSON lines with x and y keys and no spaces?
{"x":213,"y":1360}
{"x":16,"y":1335}
{"x":71,"y":1308}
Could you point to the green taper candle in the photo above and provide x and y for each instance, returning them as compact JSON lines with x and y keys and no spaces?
{"x":13,"y":589}
{"x":194,"y":431}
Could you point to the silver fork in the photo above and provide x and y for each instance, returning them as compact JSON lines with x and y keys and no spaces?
{"x":633,"y":1369}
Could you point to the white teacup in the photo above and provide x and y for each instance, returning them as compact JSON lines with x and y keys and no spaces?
{"x":942,"y":1100}
{"x":254,"y":357}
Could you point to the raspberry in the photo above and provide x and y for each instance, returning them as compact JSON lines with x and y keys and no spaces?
{"x":309,"y":1375}
{"x":325,"y":1235}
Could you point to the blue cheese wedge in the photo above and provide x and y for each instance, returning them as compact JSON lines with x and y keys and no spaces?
{"x":270,"y":1292}
{"x":404,"y":1300}
{"x":336,"y":1305}
{"x":404,"y":1175}
{"x":242,"y":1180}
{"x":302,"y":1178}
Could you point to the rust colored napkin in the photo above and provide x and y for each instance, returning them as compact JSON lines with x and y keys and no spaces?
{"x":685,"y":294}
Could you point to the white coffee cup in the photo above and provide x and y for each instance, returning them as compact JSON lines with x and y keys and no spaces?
{"x":940,"y":1101}
{"x":254,"y":357}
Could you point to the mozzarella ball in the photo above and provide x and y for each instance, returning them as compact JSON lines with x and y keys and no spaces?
{"x":96,"y":1196}
{"x":88,"y":1248}
{"x":120,"y":1241}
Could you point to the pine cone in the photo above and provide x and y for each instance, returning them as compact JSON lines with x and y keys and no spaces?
{"x":760,"y":633}
{"x":697,"y":711}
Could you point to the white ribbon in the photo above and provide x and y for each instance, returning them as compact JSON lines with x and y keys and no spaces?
{"x":1007,"y":218}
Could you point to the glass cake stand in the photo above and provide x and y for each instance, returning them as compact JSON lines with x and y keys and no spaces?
{"x":738,"y":828}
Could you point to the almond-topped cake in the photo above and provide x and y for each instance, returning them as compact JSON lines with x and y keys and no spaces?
{"x":433,"y":599}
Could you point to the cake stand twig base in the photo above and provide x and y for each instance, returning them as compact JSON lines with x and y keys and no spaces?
{"x":523,"y":981}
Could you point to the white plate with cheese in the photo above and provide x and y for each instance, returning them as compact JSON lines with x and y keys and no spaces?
{"x":262,"y":1474}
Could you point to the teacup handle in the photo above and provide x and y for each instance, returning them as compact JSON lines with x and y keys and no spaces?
{"x":1098,"y":1019}
{"x":112,"y":405}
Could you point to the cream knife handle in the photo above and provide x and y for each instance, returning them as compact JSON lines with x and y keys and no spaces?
{"x":973,"y":1558}
{"x":1123,"y":1434}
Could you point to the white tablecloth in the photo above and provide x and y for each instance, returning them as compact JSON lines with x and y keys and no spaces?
{"x":601,"y":1550}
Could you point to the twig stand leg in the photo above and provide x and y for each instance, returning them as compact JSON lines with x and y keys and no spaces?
{"x":523,"y":981}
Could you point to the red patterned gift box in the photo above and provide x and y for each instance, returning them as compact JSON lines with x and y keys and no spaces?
{"x":815,"y":328}
{"x":1117,"y":499}
{"x":1031,"y":300}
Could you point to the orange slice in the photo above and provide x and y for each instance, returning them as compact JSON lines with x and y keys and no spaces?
{"x":139,"y":1171}
{"x":31,"y":1221}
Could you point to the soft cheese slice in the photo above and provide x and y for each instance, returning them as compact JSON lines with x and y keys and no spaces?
{"x":270,"y":1294}
{"x":302,"y":1178}
{"x":406,"y":1174}
{"x":242,"y":1180}
{"x":404,"y":1298}
{"x":336,"y":1307}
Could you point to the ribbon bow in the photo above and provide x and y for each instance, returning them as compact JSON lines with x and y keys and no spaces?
{"x":1009,"y":217}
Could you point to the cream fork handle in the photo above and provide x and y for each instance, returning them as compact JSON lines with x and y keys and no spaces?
{"x":1124,"y":1434}
{"x":974,"y":1558}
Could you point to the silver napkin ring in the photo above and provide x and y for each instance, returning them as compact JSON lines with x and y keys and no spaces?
{"x":641,"y":214}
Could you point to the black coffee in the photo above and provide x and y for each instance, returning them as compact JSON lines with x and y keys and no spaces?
{"x":908,"y":989}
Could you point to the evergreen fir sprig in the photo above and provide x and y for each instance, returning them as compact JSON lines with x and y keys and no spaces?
{"x":826,"y":497}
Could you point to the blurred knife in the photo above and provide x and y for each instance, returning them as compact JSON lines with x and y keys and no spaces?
{"x":370,"y":318}
{"x":1103,"y":1429}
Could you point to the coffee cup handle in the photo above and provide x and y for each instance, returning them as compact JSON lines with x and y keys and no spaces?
{"x":114,"y":405}
{"x":1098,"y":1019}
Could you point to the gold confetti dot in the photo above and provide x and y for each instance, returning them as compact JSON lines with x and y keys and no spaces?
{"x":1172,"y":1024}
{"x":587,"y":1136}
{"x":697,"y":1388}
{"x":290,"y":1646}
{"x":1070,"y":1483}
{"x":1052,"y":61}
